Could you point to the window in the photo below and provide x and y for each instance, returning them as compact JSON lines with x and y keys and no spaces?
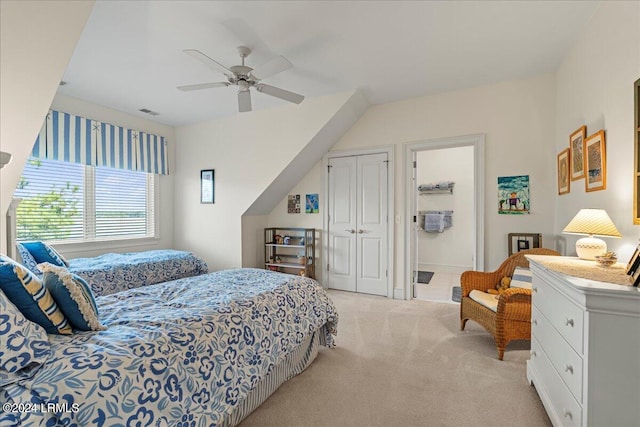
{"x":73,"y":202}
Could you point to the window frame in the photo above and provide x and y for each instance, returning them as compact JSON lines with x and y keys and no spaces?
{"x":89,"y":241}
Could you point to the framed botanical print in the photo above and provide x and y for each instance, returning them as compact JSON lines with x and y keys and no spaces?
{"x":576,"y":149}
{"x":564,"y":183}
{"x":595,"y":159}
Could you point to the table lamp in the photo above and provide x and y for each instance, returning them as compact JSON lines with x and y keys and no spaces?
{"x":592,"y":222}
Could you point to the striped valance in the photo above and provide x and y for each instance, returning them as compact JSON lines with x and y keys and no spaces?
{"x":75,"y":139}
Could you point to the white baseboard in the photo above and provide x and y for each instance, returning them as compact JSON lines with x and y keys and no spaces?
{"x":398,"y":293}
{"x":443,"y":268}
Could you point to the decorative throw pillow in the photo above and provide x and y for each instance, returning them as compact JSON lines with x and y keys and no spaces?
{"x":522,"y":278}
{"x":28,"y":260}
{"x":25,"y":345}
{"x":74,"y":297}
{"x":42,"y":252}
{"x":28,"y":293}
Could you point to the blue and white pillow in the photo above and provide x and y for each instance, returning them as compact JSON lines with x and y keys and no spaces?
{"x":74,"y":297}
{"x":25,"y":345}
{"x":521,"y":278}
{"x":28,"y":260}
{"x":28,"y":293}
{"x":42,"y":252}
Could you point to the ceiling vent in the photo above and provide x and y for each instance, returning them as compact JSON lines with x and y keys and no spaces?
{"x":149,"y":112}
{"x":62,"y":83}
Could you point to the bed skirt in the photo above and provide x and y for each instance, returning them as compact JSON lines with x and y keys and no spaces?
{"x":294,"y":363}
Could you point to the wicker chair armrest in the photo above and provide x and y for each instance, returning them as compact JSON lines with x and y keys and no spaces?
{"x":515,"y":304}
{"x":479,"y":280}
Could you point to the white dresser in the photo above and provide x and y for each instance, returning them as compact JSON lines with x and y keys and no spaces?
{"x":585,"y":348}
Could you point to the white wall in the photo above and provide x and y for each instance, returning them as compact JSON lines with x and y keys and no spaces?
{"x":595,"y":88}
{"x":165,"y":193}
{"x":248,"y":152}
{"x":279,"y":217}
{"x":518,"y":119}
{"x":37,"y":39}
{"x":451,"y":250}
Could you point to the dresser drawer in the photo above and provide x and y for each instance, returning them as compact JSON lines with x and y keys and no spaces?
{"x":565,"y":316}
{"x":563,"y":357}
{"x":562,"y":406}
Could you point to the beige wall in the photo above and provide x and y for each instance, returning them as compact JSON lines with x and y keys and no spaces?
{"x":248,"y":152}
{"x":453,"y":249}
{"x":37,"y":39}
{"x":517,"y":118}
{"x":595,"y":88}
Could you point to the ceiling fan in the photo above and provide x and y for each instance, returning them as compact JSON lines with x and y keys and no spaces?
{"x":245,"y":77}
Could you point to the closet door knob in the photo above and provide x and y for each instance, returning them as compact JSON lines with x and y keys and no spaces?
{"x":360,"y":231}
{"x":568,"y":322}
{"x":352,"y":231}
{"x":534,"y":289}
{"x":534,"y":321}
{"x":533,"y":353}
{"x":568,"y":368}
{"x":568,"y":414}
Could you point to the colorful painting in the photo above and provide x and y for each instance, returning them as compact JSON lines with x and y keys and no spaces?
{"x":293,"y":205}
{"x":513,"y":195}
{"x":312,"y":204}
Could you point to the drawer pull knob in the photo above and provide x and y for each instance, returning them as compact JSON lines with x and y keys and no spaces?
{"x":534,"y":289}
{"x":533,"y":353}
{"x":568,"y":414}
{"x":568,"y":322}
{"x":568,"y":368}
{"x":534,"y":321}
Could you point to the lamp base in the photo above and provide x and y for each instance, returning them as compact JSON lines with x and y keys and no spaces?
{"x":590,"y":247}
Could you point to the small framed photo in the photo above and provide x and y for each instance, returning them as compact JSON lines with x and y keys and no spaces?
{"x":595,"y":159}
{"x":564,"y":183}
{"x":634,"y":262}
{"x":576,"y":147}
{"x":207,"y":186}
{"x":523,"y":245}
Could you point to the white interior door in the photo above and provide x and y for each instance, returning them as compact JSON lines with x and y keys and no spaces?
{"x":342,"y":223}
{"x":358,"y":222}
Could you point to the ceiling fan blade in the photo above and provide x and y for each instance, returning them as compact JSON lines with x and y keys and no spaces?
{"x":244,"y":101}
{"x":280,"y":93}
{"x":209,"y":62}
{"x":275,"y":66}
{"x":202,"y":86}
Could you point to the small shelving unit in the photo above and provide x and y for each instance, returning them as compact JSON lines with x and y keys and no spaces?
{"x":296,"y":256}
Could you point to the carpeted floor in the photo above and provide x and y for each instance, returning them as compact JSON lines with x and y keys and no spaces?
{"x":400,"y":363}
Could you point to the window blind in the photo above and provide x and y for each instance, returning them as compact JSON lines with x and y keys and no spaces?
{"x":52,"y":206}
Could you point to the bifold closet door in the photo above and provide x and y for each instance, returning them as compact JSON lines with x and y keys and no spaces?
{"x":358,"y":223}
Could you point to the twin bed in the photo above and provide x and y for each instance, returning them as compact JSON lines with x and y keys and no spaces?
{"x":203,"y":350}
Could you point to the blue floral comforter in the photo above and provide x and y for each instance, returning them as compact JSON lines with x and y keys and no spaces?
{"x":181,"y":353}
{"x":111,"y":273}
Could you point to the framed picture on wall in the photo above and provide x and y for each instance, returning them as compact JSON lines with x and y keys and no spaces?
{"x":564,"y":183}
{"x":595,"y":159}
{"x":576,"y":147}
{"x":207,"y":186}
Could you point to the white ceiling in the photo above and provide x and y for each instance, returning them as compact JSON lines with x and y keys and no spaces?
{"x":130,"y":54}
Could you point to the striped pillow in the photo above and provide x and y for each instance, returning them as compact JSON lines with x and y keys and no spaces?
{"x":29,"y":294}
{"x":521,"y":278}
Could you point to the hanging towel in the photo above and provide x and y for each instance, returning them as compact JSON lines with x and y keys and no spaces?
{"x":444,"y":185}
{"x":425,"y":187}
{"x":448,"y":220}
{"x":434,"y":223}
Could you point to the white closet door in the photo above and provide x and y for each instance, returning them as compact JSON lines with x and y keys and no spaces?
{"x":372,"y":224}
{"x":358,"y":224}
{"x":342,"y":223}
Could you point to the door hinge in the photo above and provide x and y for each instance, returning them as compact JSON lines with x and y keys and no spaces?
{"x":386,"y":273}
{"x":329,"y":168}
{"x":327,"y":266}
{"x":415,"y":164}
{"x":415,"y":219}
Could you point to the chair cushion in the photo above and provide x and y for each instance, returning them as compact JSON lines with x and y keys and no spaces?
{"x":521,"y":278}
{"x":488,"y":300}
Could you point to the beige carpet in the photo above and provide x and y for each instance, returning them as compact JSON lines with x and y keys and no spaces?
{"x":401,"y":363}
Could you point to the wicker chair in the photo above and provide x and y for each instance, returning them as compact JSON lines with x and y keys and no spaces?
{"x":512,"y":320}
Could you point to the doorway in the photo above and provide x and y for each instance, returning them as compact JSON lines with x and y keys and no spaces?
{"x":445,"y":199}
{"x":357,"y":222}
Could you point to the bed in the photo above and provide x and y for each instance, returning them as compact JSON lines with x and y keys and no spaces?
{"x":196,"y":351}
{"x":111,"y":273}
